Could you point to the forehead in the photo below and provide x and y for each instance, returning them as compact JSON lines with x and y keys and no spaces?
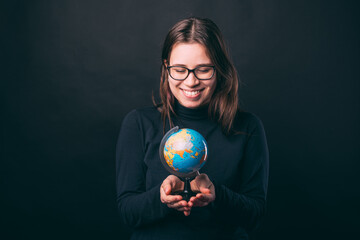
{"x":189,"y":54}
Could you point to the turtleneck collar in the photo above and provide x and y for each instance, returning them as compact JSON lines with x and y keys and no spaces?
{"x":191,"y":113}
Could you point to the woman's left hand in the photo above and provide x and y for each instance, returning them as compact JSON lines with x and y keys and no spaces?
{"x":205,"y":189}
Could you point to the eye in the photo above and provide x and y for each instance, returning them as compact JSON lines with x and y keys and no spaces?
{"x":204,"y":69}
{"x":179,"y":70}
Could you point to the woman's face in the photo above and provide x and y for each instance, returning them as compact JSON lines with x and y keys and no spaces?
{"x":191,"y":92}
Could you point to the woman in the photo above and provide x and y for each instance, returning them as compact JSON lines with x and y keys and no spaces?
{"x":198,"y":89}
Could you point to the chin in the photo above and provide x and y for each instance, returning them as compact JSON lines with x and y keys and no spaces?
{"x":191,"y":104}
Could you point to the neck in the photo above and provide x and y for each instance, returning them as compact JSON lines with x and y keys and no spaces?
{"x":191,"y":113}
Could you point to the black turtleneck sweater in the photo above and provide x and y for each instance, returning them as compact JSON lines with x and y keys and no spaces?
{"x":237,"y":165}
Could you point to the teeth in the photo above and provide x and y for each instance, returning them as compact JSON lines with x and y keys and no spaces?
{"x":191,"y":93}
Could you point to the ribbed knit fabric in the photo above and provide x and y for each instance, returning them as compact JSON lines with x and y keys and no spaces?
{"x":237,"y":165}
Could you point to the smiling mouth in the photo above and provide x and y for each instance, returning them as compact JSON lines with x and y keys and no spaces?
{"x":191,"y":93}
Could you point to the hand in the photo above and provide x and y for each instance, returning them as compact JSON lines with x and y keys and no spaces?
{"x":205,"y":189}
{"x":170,"y":185}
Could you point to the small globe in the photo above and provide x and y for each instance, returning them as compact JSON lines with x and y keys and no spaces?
{"x":185,"y":152}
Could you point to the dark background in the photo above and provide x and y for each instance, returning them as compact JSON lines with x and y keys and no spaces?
{"x":71,"y":70}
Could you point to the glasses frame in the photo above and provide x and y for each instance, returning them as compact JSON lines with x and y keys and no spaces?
{"x":190,"y":71}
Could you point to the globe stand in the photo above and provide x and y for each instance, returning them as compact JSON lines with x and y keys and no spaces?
{"x":185,"y":177}
{"x":186,"y":194}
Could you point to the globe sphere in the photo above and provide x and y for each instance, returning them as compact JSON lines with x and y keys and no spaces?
{"x":185,"y":151}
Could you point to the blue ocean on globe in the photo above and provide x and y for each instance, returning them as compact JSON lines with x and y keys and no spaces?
{"x":185,"y":151}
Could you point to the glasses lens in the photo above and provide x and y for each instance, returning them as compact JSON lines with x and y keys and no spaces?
{"x":179,"y":73}
{"x":204,"y":72}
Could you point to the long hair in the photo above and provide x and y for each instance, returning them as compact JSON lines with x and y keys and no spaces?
{"x":223,"y":104}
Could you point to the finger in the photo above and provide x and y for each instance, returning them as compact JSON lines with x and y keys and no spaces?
{"x":193,"y":185}
{"x":172,"y":199}
{"x":198,"y":203}
{"x":179,"y":208}
{"x":170,"y":183}
{"x":206,"y":198}
{"x":205,"y":190}
{"x":200,"y":200}
{"x":192,"y":198}
{"x":203,"y":197}
{"x":174,"y":183}
{"x":186,"y":213}
{"x":167,"y":198}
{"x":184,"y":209}
{"x":166,"y":191}
{"x":162,"y":195}
{"x":166,"y":187}
{"x":193,"y":202}
{"x":178,"y":204}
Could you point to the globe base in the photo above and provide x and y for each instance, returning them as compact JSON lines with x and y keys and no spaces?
{"x":186,"y":193}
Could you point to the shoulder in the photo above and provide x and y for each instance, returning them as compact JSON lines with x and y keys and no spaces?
{"x":142,"y":113}
{"x":142,"y":116}
{"x":247,"y":122}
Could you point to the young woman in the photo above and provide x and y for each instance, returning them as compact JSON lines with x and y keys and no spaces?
{"x":199,"y":90}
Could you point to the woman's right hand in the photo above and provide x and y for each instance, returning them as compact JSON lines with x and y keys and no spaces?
{"x":170,"y":185}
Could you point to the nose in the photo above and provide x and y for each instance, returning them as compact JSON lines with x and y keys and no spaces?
{"x":191,"y":80}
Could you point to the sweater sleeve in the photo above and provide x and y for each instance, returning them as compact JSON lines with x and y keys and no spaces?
{"x":247,"y":206}
{"x":136,"y":205}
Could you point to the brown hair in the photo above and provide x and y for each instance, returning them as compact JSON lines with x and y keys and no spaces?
{"x":223,"y":104}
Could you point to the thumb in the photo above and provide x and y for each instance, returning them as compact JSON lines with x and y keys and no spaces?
{"x":167,"y":189}
{"x":205,"y":190}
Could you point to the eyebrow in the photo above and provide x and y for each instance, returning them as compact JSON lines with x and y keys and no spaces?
{"x":198,"y":65}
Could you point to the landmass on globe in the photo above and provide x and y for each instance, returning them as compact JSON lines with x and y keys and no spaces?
{"x":185,"y":151}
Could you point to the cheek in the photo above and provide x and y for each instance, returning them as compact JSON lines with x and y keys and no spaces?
{"x":212,"y":86}
{"x":173,"y":86}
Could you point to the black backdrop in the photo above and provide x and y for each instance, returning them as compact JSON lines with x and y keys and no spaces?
{"x":73,"y":69}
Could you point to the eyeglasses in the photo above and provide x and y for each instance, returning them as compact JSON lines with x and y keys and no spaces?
{"x":181,"y":73}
